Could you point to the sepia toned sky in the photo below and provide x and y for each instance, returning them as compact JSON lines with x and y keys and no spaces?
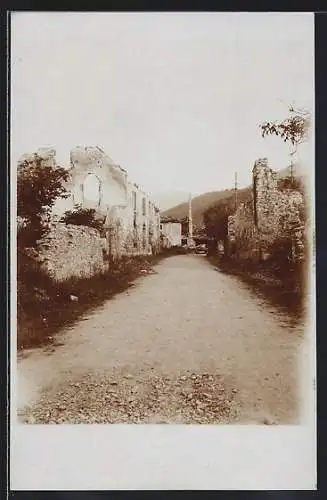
{"x":175,"y":98}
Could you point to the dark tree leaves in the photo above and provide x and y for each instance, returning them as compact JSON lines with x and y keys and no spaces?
{"x":82,"y":217}
{"x":38,"y":187}
{"x":216,"y":219}
{"x":293,"y":129}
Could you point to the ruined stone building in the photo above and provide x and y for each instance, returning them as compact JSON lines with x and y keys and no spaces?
{"x":273,"y":215}
{"x":130,"y":219}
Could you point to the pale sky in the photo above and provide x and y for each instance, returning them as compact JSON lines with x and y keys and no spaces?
{"x":174,"y":98}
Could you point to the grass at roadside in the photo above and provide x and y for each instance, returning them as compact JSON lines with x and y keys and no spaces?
{"x":44,"y":306}
{"x":282,"y":287}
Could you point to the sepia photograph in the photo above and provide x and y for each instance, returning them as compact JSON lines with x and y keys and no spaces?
{"x":163,"y":218}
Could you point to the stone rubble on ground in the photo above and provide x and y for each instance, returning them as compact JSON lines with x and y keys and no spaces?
{"x":187,"y":399}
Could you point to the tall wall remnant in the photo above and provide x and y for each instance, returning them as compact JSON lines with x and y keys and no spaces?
{"x":131,"y":219}
{"x":96,"y":181}
{"x":265,"y":195}
{"x":272,"y":215}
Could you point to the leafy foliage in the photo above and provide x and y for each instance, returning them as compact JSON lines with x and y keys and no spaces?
{"x":216,"y":216}
{"x":38,"y":187}
{"x":293,"y":129}
{"x":216,"y":219}
{"x":289,"y":182}
{"x":82,"y":217}
{"x":199,"y":205}
{"x":200,"y":231}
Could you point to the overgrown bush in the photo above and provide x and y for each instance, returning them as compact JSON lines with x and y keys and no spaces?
{"x":216,"y":216}
{"x":290,"y":183}
{"x":281,"y":252}
{"x":216,"y":220}
{"x":82,"y":217}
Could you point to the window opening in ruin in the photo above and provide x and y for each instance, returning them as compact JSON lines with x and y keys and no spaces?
{"x":143,"y":206}
{"x":91,"y":189}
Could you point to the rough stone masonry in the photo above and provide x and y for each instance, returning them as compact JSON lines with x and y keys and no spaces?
{"x":131,"y":220}
{"x":272,"y":214}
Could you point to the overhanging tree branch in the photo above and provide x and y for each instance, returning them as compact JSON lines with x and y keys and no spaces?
{"x":293,"y":129}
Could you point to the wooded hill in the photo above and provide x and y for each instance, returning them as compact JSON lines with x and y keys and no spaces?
{"x":204,"y":201}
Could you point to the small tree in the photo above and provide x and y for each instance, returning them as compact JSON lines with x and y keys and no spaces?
{"x":38,"y":187}
{"x":293,"y":130}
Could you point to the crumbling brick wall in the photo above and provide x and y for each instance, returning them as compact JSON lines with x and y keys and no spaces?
{"x":70,"y":250}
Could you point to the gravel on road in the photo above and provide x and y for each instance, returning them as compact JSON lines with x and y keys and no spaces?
{"x":100,"y":399}
{"x":187,"y":344}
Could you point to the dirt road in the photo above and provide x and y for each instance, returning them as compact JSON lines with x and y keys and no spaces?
{"x":186,"y":344}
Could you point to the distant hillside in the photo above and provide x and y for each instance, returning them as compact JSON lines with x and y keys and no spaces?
{"x":168,"y":199}
{"x":201,"y":203}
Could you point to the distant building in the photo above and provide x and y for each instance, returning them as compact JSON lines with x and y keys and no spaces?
{"x":172,"y":234}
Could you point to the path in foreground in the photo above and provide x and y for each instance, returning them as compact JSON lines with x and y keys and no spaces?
{"x":187,"y":344}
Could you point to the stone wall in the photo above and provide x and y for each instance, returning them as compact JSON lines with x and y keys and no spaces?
{"x":139,"y":223}
{"x":271,"y":217}
{"x":70,"y":250}
{"x":131,"y":221}
{"x":96,"y":181}
{"x":130,"y":217}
